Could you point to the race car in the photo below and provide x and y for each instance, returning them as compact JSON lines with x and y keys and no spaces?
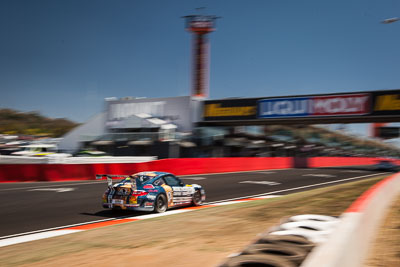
{"x":150,"y":191}
{"x":386,"y":165}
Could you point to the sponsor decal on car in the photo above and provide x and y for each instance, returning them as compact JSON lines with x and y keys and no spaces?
{"x":169,"y":192}
{"x":148,"y":186}
{"x":133,"y":199}
{"x":117,"y":201}
{"x":151,"y":197}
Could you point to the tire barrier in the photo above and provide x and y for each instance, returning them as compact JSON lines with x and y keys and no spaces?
{"x":313,"y":217}
{"x":286,"y":240}
{"x":290,"y":253}
{"x":316,"y":237}
{"x":287,"y":244}
{"x":308,"y":225}
{"x":258,"y":260}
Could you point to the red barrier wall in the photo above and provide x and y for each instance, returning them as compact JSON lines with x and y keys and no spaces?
{"x":339,"y":161}
{"x":181,"y":166}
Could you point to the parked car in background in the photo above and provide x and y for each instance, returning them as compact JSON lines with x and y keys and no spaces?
{"x":40,"y":150}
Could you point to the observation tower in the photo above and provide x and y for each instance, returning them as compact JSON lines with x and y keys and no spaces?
{"x":200,"y":26}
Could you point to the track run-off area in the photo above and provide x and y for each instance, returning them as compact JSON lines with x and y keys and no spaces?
{"x":39,"y":206}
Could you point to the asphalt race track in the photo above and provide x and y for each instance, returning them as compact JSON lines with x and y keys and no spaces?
{"x":27,"y":207}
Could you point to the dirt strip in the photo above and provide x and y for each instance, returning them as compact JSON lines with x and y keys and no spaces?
{"x":386,"y":247}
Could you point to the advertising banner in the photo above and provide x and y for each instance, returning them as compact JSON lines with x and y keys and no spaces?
{"x":386,"y":103}
{"x":354,"y":104}
{"x":284,"y":107}
{"x":123,"y":113}
{"x":230,"y":109}
{"x":330,"y":105}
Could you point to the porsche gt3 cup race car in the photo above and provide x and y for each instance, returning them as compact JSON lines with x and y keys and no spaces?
{"x":150,"y":191}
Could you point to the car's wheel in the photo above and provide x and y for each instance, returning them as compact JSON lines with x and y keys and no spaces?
{"x":160,"y":204}
{"x":197,"y":198}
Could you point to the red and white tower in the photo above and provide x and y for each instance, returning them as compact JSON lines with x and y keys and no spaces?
{"x":200,"y":26}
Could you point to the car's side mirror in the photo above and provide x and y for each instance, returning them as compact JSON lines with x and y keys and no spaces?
{"x":181,"y":183}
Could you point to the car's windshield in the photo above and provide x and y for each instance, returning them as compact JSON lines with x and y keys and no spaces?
{"x":142,"y":178}
{"x":127,"y":180}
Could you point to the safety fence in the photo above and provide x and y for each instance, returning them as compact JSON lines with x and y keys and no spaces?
{"x":178,"y":166}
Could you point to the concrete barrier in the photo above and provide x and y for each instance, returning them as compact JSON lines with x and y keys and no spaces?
{"x":348,"y":245}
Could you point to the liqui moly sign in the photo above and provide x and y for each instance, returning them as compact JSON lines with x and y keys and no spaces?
{"x":357,"y":104}
{"x":332,"y":105}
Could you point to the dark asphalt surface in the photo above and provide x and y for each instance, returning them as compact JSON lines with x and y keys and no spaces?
{"x":29,"y":207}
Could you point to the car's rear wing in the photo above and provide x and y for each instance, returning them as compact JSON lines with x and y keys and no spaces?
{"x":110,"y":177}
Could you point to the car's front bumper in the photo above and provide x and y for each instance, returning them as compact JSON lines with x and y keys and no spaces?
{"x":134,"y":207}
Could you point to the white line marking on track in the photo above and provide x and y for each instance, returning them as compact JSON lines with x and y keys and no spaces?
{"x":58,"y":190}
{"x":236,"y":200}
{"x":260,"y":182}
{"x":214,"y":173}
{"x":38,"y":236}
{"x":354,"y":171}
{"x":194,"y":178}
{"x":319,"y":175}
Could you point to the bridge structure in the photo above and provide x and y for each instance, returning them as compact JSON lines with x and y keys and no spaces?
{"x":354,"y":107}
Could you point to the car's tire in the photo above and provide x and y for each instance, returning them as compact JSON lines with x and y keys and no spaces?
{"x":257,"y":260}
{"x":160,"y":204}
{"x":197,"y":198}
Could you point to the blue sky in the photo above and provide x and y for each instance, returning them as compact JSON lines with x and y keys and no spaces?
{"x":63,"y":58}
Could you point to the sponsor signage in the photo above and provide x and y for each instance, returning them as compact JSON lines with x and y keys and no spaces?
{"x":354,"y":104}
{"x":373,"y":106}
{"x":230,"y":109}
{"x":330,"y":105}
{"x":283,"y":107}
{"x":386,"y":103}
{"x":129,"y":113}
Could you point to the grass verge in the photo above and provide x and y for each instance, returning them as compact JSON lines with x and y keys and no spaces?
{"x":199,"y":238}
